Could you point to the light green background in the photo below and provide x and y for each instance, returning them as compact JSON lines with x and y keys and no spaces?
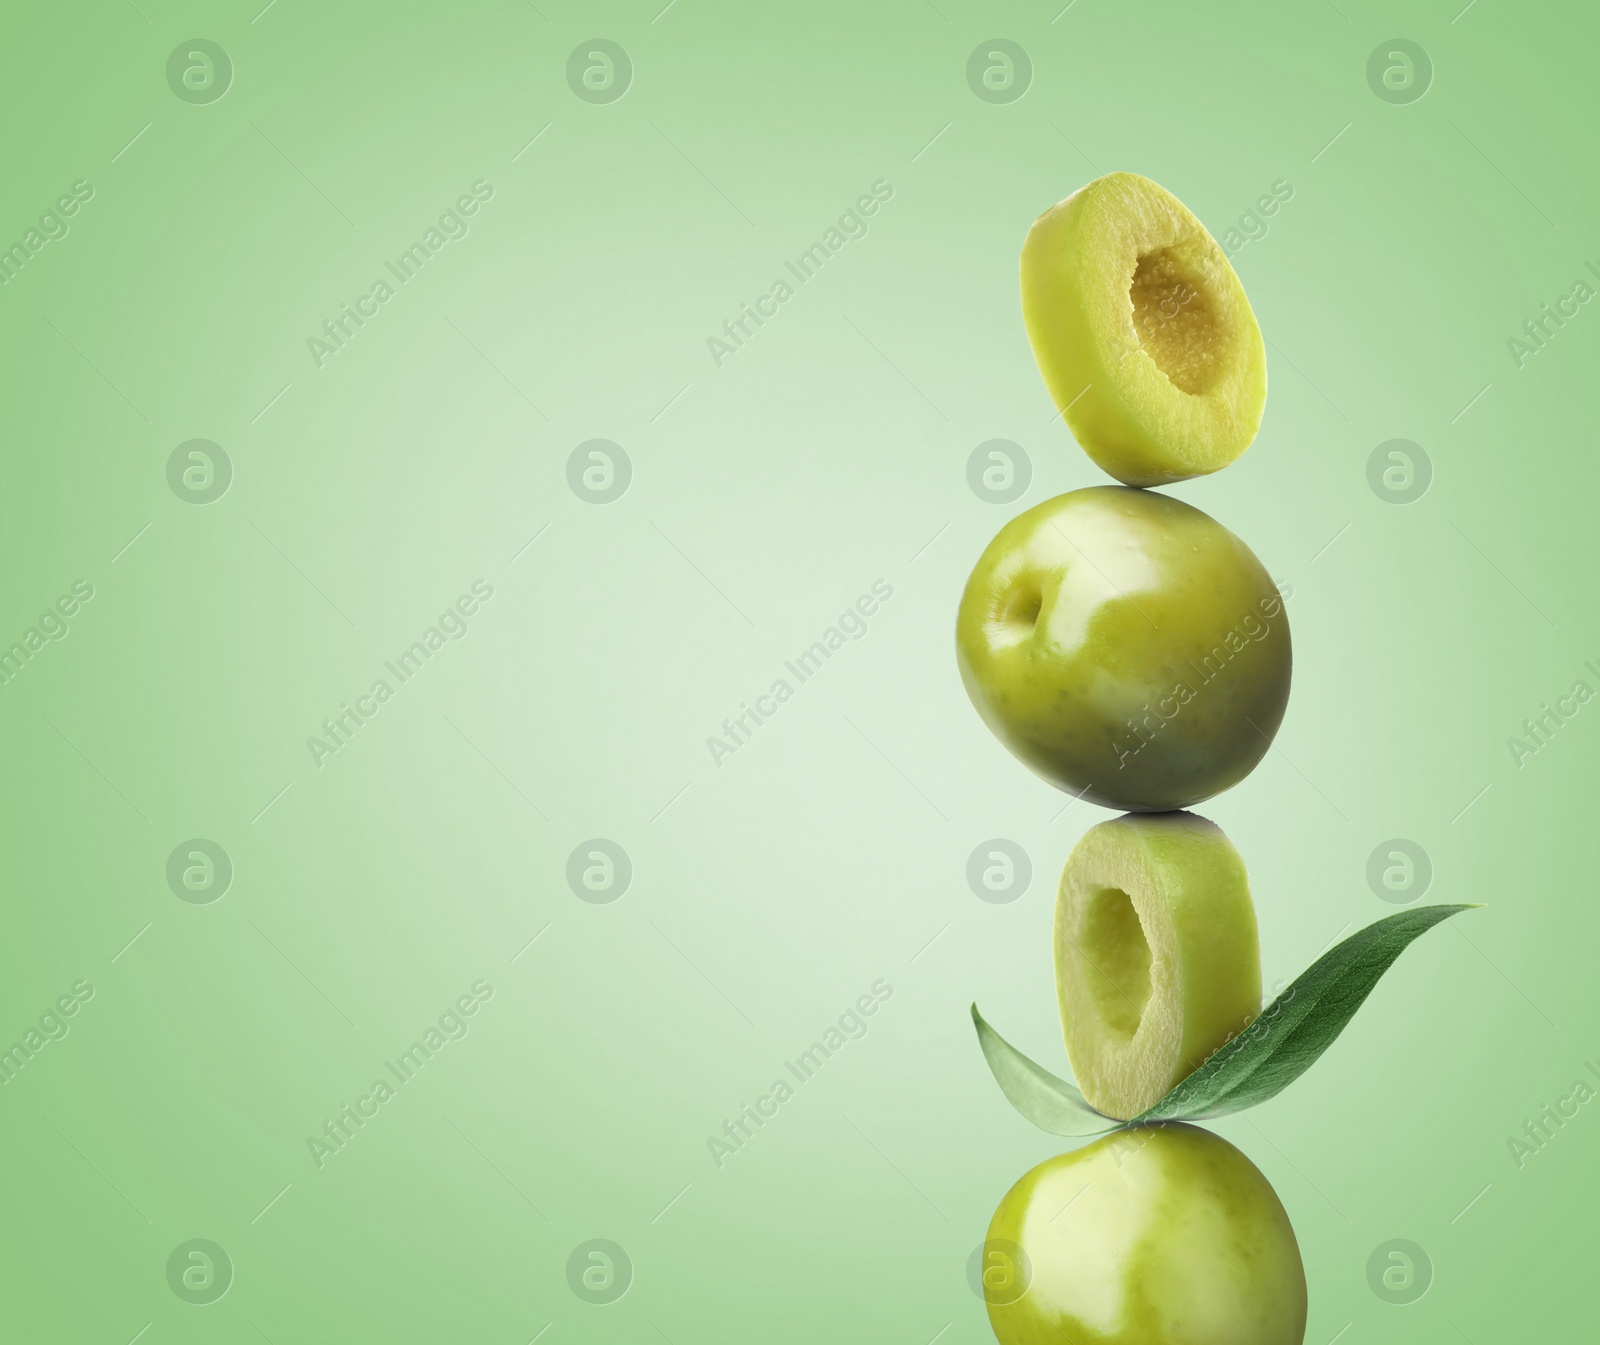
{"x":772,"y":890}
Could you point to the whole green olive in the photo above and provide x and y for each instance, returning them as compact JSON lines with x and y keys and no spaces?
{"x":1155,"y":1235}
{"x":1127,"y":647}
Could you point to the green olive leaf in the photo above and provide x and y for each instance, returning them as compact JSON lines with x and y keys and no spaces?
{"x":1278,"y":1047}
{"x":1290,"y":1033}
{"x":1052,"y":1104}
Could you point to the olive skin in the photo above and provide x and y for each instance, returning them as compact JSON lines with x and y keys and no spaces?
{"x":1126,"y":647}
{"x":1154,"y":1235}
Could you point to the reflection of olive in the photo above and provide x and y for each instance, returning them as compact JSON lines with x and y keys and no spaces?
{"x":1161,"y":1234}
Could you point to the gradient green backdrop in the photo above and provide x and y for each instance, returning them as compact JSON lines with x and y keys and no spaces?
{"x":771,"y":890}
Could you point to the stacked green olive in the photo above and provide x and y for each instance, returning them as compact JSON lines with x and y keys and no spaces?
{"x":1127,"y":647}
{"x":1132,"y":651}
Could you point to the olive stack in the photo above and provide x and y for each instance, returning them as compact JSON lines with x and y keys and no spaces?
{"x":1132,"y":651}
